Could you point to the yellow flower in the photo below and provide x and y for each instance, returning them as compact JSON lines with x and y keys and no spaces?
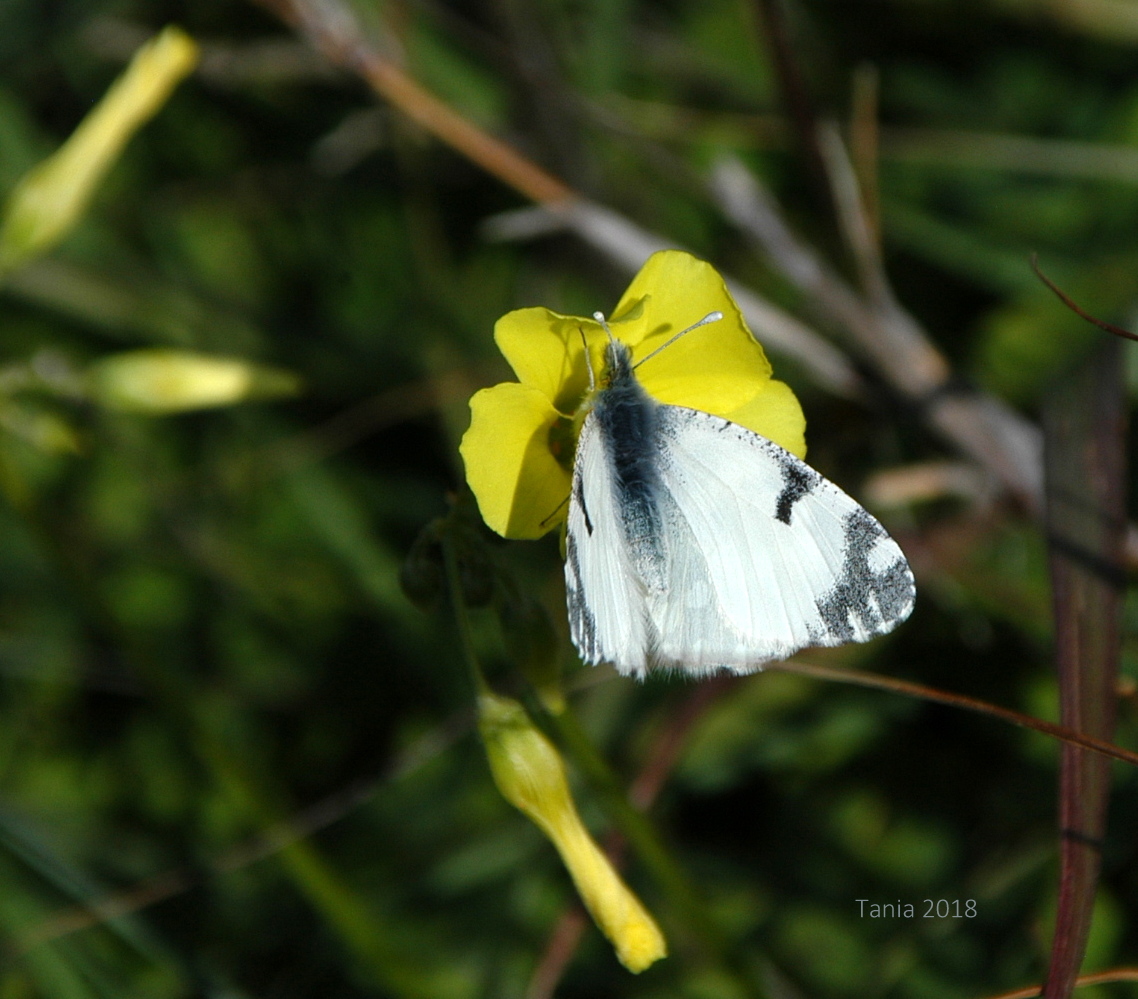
{"x":51,"y":197}
{"x":519,"y":448}
{"x":531,"y":777}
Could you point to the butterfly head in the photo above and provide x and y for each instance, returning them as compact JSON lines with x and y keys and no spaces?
{"x":618,"y":356}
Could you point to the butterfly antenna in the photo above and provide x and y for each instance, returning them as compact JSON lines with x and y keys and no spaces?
{"x":711,"y":317}
{"x":588,"y":362}
{"x":560,"y":505}
{"x":600,"y":318}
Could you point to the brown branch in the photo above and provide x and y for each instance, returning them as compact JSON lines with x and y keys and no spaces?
{"x":371,"y":415}
{"x":861,"y":238}
{"x":795,"y":94}
{"x":332,"y":29}
{"x":1098,"y":978}
{"x":865,"y":142}
{"x":910,"y":689}
{"x":1084,"y":420}
{"x":1102,"y":324}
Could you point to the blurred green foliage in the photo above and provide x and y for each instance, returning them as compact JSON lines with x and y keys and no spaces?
{"x":237,"y":760}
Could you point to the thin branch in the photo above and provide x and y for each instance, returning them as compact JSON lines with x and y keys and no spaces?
{"x":795,"y":93}
{"x":928,"y":480}
{"x":559,"y":952}
{"x":1102,"y":324}
{"x":1098,"y":978}
{"x":358,"y":422}
{"x":909,"y":689}
{"x":1017,"y":154}
{"x":865,"y":142}
{"x":860,"y":235}
{"x":330,"y":26}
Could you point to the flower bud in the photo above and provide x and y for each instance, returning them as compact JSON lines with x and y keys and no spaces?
{"x":171,"y":381}
{"x":51,"y":197}
{"x":528,"y":771}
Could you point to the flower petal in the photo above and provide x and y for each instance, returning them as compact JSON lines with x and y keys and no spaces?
{"x":512,"y":471}
{"x":716,"y":369}
{"x":547,"y":353}
{"x":774,"y":413}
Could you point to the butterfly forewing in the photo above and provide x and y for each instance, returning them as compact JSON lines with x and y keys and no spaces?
{"x":794,"y":561}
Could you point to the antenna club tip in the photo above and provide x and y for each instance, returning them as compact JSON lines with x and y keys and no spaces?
{"x":599,"y":317}
{"x":713,"y":317}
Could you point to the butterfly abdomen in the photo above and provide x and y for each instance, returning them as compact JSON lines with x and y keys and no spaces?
{"x":628,"y":421}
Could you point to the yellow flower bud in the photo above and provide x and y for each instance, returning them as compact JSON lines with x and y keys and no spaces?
{"x":51,"y":197}
{"x":529,"y":773}
{"x":172,"y":381}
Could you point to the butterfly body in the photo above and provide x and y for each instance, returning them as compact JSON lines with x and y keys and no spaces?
{"x":695,"y":544}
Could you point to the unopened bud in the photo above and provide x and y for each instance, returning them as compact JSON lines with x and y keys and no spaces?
{"x":172,"y":381}
{"x":52,"y":196}
{"x":528,"y":771}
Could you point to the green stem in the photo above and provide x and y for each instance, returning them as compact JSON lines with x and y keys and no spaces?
{"x":461,"y":617}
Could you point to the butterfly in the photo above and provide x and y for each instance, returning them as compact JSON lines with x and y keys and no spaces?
{"x":695,"y":544}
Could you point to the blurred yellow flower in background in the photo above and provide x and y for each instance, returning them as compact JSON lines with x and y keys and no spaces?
{"x":52,"y":196}
{"x":160,"y":380}
{"x":519,"y":448}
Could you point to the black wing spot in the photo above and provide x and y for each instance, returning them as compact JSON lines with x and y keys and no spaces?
{"x":877,"y":600}
{"x":797,"y":481}
{"x":579,"y":496}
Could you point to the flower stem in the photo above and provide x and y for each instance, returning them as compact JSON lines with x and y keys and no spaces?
{"x":461,"y":617}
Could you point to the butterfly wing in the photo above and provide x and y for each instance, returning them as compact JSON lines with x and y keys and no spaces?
{"x":608,"y":618}
{"x":765,"y":555}
{"x":756,"y":555}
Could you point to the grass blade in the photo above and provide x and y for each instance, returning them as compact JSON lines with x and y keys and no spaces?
{"x":1085,"y":432}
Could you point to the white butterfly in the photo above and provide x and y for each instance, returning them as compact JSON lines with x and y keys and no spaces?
{"x":695,"y":544}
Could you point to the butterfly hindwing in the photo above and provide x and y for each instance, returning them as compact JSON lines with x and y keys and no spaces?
{"x":607,"y":616}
